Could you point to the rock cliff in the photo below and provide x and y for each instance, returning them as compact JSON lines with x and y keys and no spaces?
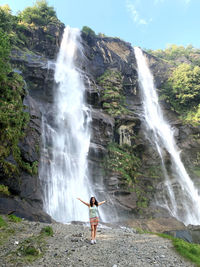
{"x":120,"y":154}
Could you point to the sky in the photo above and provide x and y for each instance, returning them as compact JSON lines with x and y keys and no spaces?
{"x":150,"y":24}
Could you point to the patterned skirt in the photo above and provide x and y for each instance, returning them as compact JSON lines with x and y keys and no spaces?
{"x":94,"y":221}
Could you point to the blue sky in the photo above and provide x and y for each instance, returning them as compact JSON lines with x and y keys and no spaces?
{"x":150,"y":24}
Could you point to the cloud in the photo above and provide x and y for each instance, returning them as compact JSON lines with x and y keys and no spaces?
{"x":135,"y":14}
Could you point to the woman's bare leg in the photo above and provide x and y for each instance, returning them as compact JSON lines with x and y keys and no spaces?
{"x":92,"y":232}
{"x":95,"y":231}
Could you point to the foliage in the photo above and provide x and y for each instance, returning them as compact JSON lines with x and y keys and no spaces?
{"x":4,"y":58}
{"x":122,"y":160}
{"x":30,"y":249}
{"x":182,"y":91}
{"x":112,"y":95}
{"x":192,"y":115}
{"x":19,"y":28}
{"x":13,"y":119}
{"x":6,"y":19}
{"x":174,"y":53}
{"x":40,"y":14}
{"x":5,"y":230}
{"x":101,"y":35}
{"x":2,"y":222}
{"x":189,"y":251}
{"x":88,"y":31}
{"x":47,"y":231}
{"x":4,"y":190}
{"x":13,"y":218}
{"x":10,"y":26}
{"x":185,"y":84}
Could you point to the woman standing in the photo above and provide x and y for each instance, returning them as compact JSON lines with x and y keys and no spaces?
{"x":94,"y":216}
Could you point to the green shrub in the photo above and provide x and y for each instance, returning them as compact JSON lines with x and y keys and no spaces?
{"x":112,"y":98}
{"x":173,"y":52}
{"x":13,"y":119}
{"x":40,"y":14}
{"x":88,"y":31}
{"x":31,"y":250}
{"x":4,"y":190}
{"x":6,"y":18}
{"x":185,"y":85}
{"x":122,"y":159}
{"x":47,"y":231}
{"x":13,"y":218}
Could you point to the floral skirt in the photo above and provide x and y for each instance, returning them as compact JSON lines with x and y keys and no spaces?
{"x":94,"y":221}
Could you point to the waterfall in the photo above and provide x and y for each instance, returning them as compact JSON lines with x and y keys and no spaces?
{"x":181,"y":197}
{"x":66,"y":138}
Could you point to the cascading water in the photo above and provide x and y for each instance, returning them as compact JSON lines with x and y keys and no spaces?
{"x":182,"y":198}
{"x":64,"y":170}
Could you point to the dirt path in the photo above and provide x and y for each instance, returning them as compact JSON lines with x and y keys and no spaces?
{"x":70,"y":246}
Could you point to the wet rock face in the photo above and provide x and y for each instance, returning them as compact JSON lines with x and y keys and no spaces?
{"x":30,"y":145}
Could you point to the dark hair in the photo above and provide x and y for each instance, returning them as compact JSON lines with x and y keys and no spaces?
{"x":95,"y":203}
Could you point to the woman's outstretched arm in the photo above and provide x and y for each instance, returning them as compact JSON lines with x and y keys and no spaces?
{"x":102,"y":202}
{"x":87,"y":204}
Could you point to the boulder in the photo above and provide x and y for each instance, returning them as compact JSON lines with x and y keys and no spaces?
{"x":23,"y":209}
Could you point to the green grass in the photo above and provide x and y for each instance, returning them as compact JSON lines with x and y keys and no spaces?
{"x":5,"y":231}
{"x":29,"y":249}
{"x":48,"y":231}
{"x":3,"y":222}
{"x":189,"y":251}
{"x":13,"y":218}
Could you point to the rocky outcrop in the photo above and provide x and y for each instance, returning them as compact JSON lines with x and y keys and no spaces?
{"x":44,"y":40}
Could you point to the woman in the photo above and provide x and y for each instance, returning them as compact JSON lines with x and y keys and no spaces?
{"x":94,"y":216}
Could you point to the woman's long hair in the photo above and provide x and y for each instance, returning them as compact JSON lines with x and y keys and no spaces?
{"x":95,"y":203}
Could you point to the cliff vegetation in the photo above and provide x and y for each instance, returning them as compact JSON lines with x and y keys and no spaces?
{"x":182,"y":89}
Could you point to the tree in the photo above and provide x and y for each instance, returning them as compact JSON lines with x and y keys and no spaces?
{"x":185,"y":85}
{"x":6,"y":18}
{"x":40,"y":14}
{"x":88,"y":31}
{"x":4,"y":57}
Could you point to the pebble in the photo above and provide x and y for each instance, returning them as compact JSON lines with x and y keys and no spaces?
{"x":116,"y":247}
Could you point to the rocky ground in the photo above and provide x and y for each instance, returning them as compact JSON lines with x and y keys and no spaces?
{"x":70,"y":246}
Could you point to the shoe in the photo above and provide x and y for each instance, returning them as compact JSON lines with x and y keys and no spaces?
{"x":95,"y":241}
{"x":92,"y":242}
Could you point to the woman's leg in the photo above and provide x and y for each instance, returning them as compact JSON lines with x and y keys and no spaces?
{"x":92,"y":232}
{"x":95,"y":231}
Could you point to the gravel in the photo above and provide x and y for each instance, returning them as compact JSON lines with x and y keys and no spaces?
{"x":116,"y":247}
